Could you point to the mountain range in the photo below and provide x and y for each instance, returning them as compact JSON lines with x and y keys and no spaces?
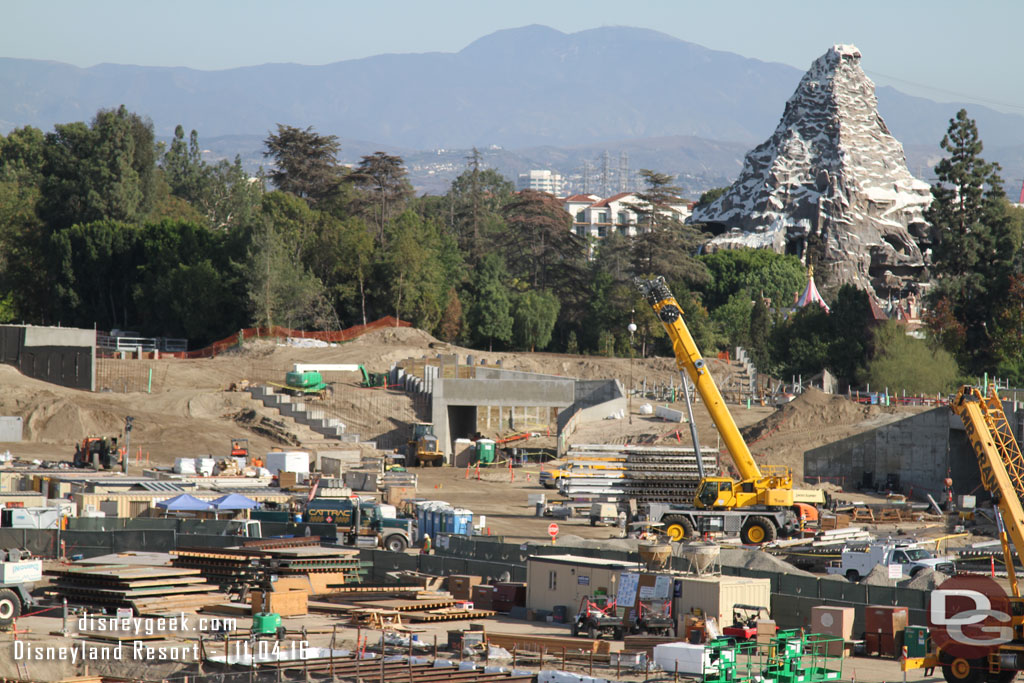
{"x":531,"y":94}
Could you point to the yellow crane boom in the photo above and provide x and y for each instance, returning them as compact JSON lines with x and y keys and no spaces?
{"x":689,"y":360}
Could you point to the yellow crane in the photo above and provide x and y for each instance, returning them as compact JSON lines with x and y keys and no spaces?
{"x":1000,"y":463}
{"x":760,"y":505}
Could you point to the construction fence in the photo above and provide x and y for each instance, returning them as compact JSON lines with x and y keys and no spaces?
{"x":328,"y":336}
{"x":128,"y":376}
{"x":793,"y":594}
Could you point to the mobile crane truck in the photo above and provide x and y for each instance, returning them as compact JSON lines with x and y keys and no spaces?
{"x":966,"y":650}
{"x":760,"y":506}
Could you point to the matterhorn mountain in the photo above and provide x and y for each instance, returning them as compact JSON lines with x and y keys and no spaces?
{"x":831,"y":185}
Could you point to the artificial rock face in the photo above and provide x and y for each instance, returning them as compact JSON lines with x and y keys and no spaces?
{"x":833,"y":176}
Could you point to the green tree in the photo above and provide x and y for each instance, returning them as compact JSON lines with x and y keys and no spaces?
{"x":761,"y":271}
{"x":974,"y":242}
{"x":490,"y":315}
{"x":903,"y":363}
{"x":102,"y":172}
{"x":343,"y":256}
{"x":541,"y":249}
{"x":280,"y":289}
{"x":711,"y":195}
{"x":534,"y":319}
{"x":183,"y":166}
{"x":665,"y":246}
{"x":305,"y":162}
{"x":382,"y":179}
{"x":476,"y":199}
{"x":413,"y":270}
{"x":759,"y":335}
{"x":734,"y":317}
{"x":850,"y":334}
{"x":93,"y":268}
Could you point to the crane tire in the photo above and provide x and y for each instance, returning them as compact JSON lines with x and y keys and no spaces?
{"x":758,"y":530}
{"x":679,"y":529}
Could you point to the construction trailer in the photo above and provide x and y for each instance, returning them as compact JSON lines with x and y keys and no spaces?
{"x":567,"y":579}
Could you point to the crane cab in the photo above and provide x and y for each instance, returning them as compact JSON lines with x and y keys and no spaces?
{"x":722,"y":493}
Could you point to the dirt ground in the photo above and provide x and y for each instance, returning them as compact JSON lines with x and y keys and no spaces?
{"x":191,"y":412}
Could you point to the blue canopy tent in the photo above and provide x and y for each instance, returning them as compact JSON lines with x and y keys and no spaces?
{"x":234,"y":501}
{"x":184,"y":503}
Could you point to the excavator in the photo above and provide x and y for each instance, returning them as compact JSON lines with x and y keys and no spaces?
{"x":1002,"y":474}
{"x":760,"y":506}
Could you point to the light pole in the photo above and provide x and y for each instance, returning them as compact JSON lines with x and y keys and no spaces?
{"x":629,"y":399}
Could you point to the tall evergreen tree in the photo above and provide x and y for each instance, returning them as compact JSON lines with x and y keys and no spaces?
{"x":382,"y":178}
{"x":490,"y":315}
{"x":305,"y":162}
{"x":974,"y":245}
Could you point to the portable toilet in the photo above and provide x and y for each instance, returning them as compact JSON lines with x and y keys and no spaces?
{"x":485,"y":451}
{"x":462,"y":521}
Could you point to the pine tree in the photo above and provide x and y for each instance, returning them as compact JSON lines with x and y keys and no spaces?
{"x":974,"y":245}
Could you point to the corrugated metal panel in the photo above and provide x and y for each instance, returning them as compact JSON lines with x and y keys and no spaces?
{"x":160,"y":486}
{"x":715,"y":596}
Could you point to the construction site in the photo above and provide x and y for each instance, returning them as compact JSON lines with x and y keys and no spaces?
{"x":391,"y":507}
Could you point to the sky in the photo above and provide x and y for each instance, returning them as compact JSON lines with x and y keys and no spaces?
{"x":939,"y":49}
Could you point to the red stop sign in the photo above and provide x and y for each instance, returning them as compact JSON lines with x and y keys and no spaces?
{"x":553,"y":529}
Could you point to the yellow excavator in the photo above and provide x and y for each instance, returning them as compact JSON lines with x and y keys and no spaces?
{"x":760,"y":506}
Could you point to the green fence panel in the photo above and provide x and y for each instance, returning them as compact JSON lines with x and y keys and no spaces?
{"x":842,"y":590}
{"x":802,"y":586}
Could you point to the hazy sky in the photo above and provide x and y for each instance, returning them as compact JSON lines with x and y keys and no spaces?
{"x":943,"y":50}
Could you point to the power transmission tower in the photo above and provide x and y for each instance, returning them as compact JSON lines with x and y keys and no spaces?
{"x":606,"y":185}
{"x":623,"y":171}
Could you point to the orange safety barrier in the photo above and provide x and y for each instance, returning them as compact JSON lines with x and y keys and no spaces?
{"x":347,"y":334}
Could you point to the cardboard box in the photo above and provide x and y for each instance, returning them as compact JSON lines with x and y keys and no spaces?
{"x":461,"y":585}
{"x":287,"y":480}
{"x":285,"y":603}
{"x":394,"y":495}
{"x":885,"y":619}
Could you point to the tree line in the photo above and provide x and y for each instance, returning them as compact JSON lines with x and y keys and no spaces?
{"x":100,"y":225}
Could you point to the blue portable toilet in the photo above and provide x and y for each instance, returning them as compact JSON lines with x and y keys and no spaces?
{"x":462,"y":521}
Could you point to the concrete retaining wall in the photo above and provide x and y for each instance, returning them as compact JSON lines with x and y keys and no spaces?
{"x":919,"y":450}
{"x":60,"y":355}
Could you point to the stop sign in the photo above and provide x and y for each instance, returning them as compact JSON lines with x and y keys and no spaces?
{"x":553,"y":529}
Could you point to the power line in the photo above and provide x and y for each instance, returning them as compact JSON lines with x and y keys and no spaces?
{"x":980,"y":100}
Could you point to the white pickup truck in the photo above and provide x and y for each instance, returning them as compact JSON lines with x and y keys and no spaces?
{"x":856,"y":564}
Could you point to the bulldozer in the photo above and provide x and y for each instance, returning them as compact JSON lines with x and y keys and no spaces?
{"x":423,"y":447}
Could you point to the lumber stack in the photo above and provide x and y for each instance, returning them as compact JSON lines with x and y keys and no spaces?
{"x":147,"y":590}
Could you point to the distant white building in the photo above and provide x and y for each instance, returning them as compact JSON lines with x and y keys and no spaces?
{"x":598,"y":218}
{"x":541,"y":181}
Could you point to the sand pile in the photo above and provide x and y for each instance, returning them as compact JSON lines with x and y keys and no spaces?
{"x":879,"y":576}
{"x":926,"y":580}
{"x":62,"y":420}
{"x":745,"y":558}
{"x":402,"y":336}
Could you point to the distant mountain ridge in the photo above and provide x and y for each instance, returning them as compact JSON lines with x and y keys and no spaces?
{"x":527,"y":87}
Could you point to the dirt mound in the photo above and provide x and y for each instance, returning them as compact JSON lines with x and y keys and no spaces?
{"x":926,"y":580}
{"x":402,"y":336}
{"x":879,"y":576}
{"x":758,"y":560}
{"x":62,"y":420}
{"x":812,"y":408}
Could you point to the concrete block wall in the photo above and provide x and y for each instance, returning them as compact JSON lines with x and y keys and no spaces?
{"x":919,"y":449}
